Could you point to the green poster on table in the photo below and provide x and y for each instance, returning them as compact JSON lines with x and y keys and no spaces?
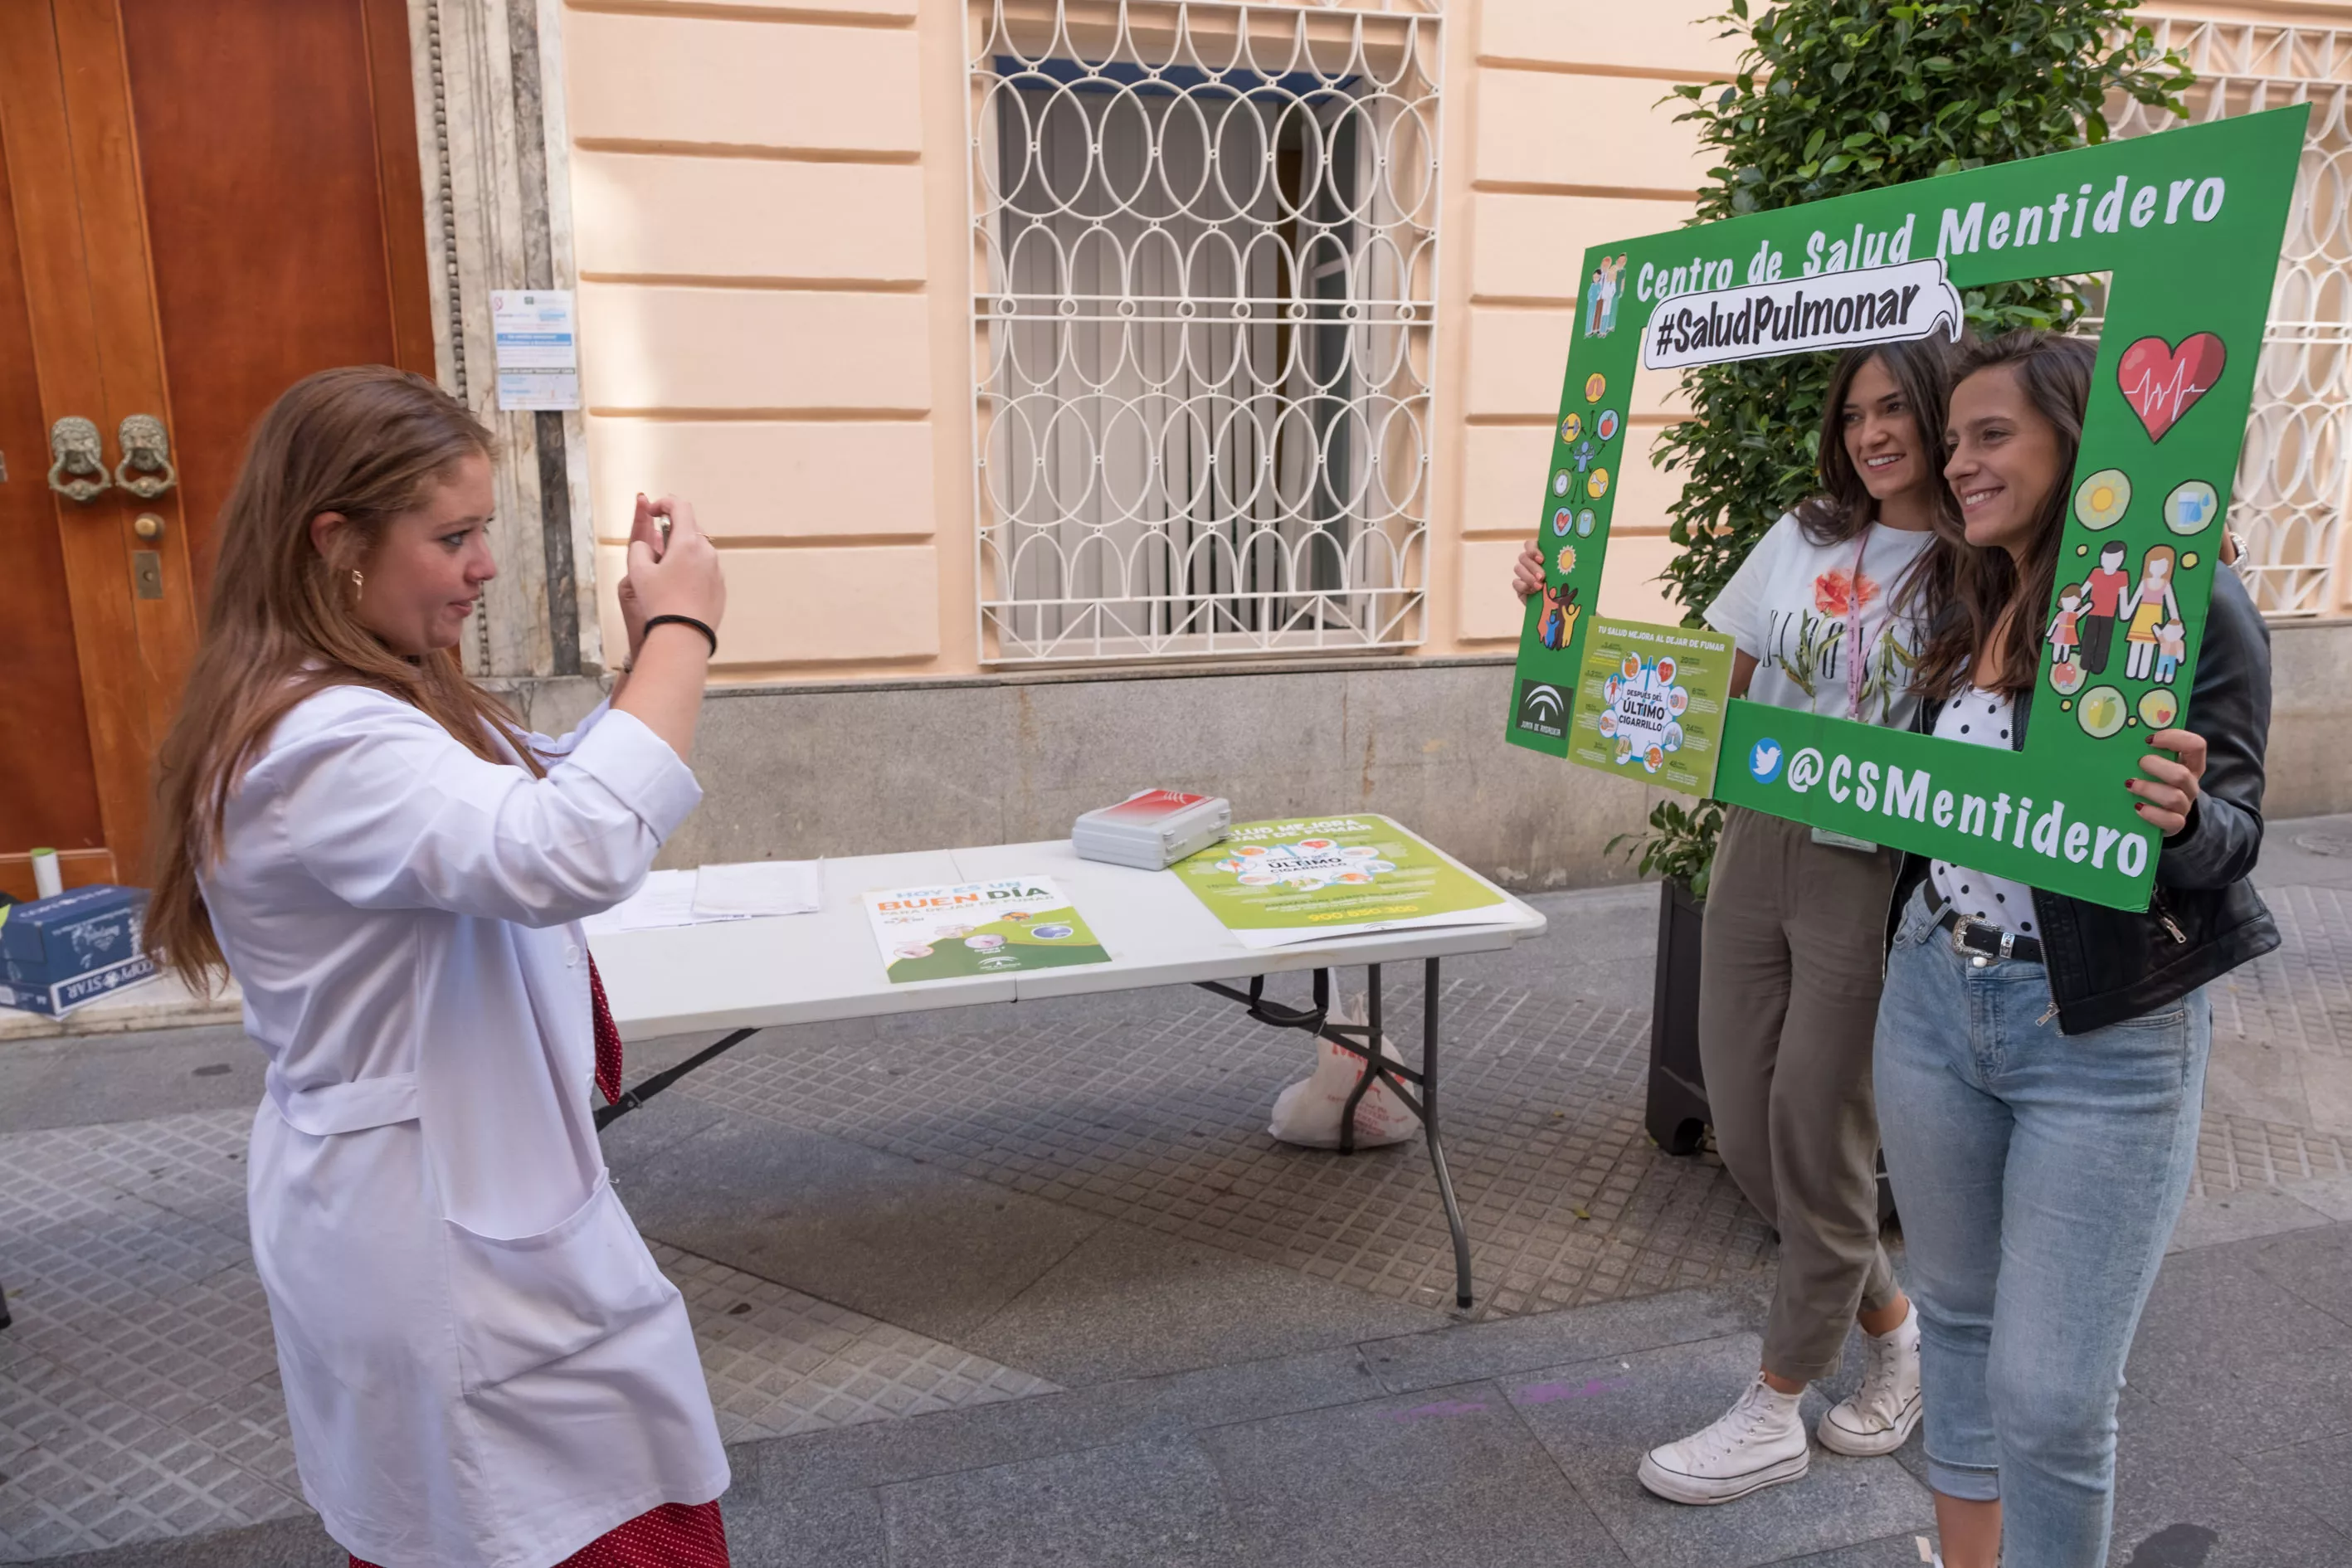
{"x":1649,"y":703}
{"x":2186,"y":225}
{"x":1275,"y":883}
{"x":963,"y":928}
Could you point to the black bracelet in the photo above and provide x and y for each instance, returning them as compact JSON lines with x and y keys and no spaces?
{"x":709,"y":636}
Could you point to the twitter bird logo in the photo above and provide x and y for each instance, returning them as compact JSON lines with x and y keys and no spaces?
{"x":1764,"y":762}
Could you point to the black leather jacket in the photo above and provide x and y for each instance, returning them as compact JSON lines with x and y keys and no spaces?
{"x":2107,"y":965}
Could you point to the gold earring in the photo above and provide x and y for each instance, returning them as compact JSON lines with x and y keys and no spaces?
{"x":359,"y":584}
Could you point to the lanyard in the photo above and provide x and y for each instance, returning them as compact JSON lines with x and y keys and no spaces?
{"x":1856,"y":656}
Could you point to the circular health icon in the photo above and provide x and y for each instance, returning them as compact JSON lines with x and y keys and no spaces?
{"x":2102,"y":711}
{"x":2190,"y":507}
{"x":2101,"y":499}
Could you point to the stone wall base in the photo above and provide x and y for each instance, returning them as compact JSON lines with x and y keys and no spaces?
{"x":794,"y":771}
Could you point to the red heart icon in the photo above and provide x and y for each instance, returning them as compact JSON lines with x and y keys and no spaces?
{"x":2161,"y":383}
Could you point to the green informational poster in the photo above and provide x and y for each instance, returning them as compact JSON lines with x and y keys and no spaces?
{"x":1649,"y":705}
{"x":2186,"y":225}
{"x":979,"y":928}
{"x":1275,"y":883}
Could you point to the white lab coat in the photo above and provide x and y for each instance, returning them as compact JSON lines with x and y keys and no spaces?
{"x":483,"y":1366}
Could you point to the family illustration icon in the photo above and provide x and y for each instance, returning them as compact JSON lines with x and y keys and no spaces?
{"x":1607,"y":290}
{"x":1561,"y":610}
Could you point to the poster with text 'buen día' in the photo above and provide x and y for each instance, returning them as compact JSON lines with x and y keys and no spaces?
{"x":963,"y":929}
{"x":1275,"y":883}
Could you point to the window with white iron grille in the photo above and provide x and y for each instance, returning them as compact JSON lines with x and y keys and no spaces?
{"x":1205,"y":258}
{"x":2295,"y":477}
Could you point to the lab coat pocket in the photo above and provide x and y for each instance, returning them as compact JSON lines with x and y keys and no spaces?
{"x":521,"y":1302}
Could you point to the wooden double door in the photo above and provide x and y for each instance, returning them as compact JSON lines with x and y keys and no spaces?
{"x":201,"y":201}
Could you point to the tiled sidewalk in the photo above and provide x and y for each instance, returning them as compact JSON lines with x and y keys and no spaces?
{"x":1151,"y":1110}
{"x":138,"y":1393}
{"x":1157,"y":1229}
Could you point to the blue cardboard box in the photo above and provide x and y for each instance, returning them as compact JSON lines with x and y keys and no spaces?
{"x":50,"y":947}
{"x":63,"y":996}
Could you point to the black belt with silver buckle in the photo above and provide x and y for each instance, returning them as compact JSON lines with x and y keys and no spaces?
{"x":1981,"y":941}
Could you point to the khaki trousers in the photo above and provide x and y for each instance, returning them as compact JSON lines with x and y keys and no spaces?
{"x":1788,"y":1006}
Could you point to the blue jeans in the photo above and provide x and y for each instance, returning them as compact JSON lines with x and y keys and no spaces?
{"x":2039,"y":1175}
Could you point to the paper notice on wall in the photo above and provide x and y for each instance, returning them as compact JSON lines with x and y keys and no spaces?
{"x":537,"y":351}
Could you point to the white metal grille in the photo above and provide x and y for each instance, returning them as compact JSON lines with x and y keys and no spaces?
{"x":1205,"y":253}
{"x":2295,"y":477}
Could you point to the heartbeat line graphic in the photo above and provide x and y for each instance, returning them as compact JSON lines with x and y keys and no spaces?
{"x":2162,"y":382}
{"x":2167,"y":398}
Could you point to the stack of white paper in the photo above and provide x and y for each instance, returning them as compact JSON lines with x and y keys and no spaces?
{"x":757,"y":888}
{"x":666,"y":899}
{"x":714,"y":893}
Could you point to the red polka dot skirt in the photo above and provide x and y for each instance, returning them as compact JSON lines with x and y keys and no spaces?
{"x":674,"y":1535}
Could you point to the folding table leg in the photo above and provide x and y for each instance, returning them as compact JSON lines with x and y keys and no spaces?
{"x":1429,"y":1124}
{"x":1424,"y":1102}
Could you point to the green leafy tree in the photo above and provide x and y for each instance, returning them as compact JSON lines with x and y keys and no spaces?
{"x":1839,"y":96}
{"x":1679,"y":846}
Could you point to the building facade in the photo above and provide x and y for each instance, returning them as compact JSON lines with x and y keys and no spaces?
{"x":1096,"y":394}
{"x":1086,"y":394}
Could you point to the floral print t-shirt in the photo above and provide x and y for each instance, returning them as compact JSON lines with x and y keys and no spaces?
{"x":1793,"y":605}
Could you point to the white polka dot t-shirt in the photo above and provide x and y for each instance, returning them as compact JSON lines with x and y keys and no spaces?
{"x":1983,"y":718}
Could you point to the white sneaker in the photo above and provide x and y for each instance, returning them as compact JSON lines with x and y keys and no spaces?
{"x":1759,"y":1442}
{"x":1882,"y":1412}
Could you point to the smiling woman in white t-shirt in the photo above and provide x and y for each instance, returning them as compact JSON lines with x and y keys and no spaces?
{"x":1826,"y":614}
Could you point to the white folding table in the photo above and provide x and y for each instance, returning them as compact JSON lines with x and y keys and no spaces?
{"x":746,"y":975}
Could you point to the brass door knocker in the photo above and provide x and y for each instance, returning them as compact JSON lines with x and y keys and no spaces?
{"x":74,"y":443}
{"x":148,"y":450}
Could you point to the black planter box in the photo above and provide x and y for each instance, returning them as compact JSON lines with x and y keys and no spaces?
{"x":1677,"y":1114}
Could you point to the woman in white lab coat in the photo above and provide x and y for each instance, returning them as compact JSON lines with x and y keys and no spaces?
{"x":483,"y":1366}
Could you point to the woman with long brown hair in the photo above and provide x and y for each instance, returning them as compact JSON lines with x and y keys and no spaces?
{"x":483,"y":1366}
{"x":2041,"y":1062}
{"x":1824,"y":614}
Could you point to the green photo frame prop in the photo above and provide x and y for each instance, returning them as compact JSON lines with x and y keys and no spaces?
{"x":2186,"y":225}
